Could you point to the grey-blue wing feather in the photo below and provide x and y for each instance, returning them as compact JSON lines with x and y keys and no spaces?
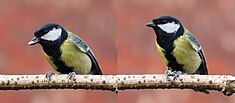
{"x":80,"y":43}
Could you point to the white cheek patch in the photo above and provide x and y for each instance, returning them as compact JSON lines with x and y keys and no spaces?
{"x":169,"y":27}
{"x":52,"y":35}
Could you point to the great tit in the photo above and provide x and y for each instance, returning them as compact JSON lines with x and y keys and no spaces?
{"x":178,"y":47}
{"x":65,"y":51}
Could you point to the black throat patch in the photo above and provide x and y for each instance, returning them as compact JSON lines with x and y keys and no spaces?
{"x":52,"y":49}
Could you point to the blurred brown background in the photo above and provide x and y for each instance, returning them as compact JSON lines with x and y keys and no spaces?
{"x":116,"y":32}
{"x":94,"y":21}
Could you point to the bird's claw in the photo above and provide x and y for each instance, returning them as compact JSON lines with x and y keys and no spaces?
{"x":71,"y":75}
{"x":49,"y":75}
{"x":175,"y":75}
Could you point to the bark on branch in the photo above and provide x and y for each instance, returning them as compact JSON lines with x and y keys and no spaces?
{"x":222,"y":83}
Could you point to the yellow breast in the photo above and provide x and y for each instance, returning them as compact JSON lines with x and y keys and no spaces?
{"x":73,"y":57}
{"x":161,"y":53}
{"x":50,"y":62}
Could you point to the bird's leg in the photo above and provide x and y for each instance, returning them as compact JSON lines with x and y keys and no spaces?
{"x":168,"y":72}
{"x":175,"y":74}
{"x":71,"y":75}
{"x":49,"y":75}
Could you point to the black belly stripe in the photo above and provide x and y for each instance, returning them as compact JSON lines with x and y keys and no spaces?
{"x":166,"y":42}
{"x":172,"y":63}
{"x":54,"y":52}
{"x":61,"y":67}
{"x":167,"y":45}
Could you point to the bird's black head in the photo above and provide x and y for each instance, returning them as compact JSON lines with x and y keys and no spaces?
{"x":49,"y":34}
{"x":166,"y":25}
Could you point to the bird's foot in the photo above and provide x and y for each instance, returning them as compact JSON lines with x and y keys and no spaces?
{"x":71,"y":75}
{"x":49,"y":75}
{"x":168,"y":73}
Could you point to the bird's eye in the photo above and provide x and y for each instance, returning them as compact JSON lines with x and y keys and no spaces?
{"x":45,"y":31}
{"x":164,"y":21}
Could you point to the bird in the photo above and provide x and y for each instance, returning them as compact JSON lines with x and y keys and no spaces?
{"x":178,"y":47}
{"x":65,"y":51}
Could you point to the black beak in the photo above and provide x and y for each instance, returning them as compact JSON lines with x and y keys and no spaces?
{"x":33,"y":41}
{"x":150,"y":24}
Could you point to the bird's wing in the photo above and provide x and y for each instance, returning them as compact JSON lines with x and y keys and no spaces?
{"x":82,"y":46}
{"x":95,"y":69}
{"x":195,"y":44}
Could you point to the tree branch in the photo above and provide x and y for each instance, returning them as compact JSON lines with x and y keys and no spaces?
{"x":222,"y":83}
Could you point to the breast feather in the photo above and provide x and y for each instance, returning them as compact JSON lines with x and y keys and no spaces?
{"x":73,"y":57}
{"x":186,"y":55}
